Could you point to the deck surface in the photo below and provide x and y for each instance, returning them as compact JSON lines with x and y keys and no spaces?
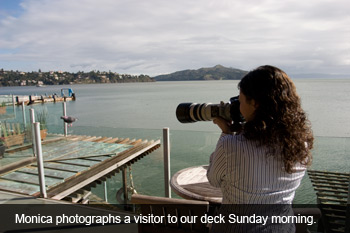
{"x":333,"y":198}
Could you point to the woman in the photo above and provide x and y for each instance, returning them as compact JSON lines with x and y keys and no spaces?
{"x":266,"y":161}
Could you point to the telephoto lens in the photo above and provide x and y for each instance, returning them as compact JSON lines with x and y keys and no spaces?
{"x":193,"y":112}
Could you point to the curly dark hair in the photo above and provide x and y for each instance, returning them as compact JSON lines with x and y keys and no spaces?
{"x":279,"y":121}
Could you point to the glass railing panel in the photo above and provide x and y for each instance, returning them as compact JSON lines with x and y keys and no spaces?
{"x":193,"y":148}
{"x":15,"y":143}
{"x":188,"y":148}
{"x":7,"y":109}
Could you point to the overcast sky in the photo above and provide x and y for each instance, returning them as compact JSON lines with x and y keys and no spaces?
{"x":158,"y":36}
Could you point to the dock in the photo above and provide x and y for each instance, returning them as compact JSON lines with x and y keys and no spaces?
{"x":71,"y":164}
{"x":36,"y":99}
{"x":333,"y":198}
{"x":66,"y":94}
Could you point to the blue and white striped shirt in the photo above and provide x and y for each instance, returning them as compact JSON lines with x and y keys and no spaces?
{"x":247,"y":175}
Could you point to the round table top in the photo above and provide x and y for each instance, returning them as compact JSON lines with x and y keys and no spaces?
{"x":192,"y":183}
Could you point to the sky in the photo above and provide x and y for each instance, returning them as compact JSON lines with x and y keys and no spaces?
{"x":158,"y":37}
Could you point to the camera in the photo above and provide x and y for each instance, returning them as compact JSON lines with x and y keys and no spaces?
{"x":193,"y":112}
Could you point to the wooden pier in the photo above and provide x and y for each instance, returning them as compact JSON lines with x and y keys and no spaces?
{"x":72,"y":164}
{"x":34,"y":99}
{"x":333,"y":197}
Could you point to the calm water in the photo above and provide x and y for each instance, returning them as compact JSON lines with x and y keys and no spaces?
{"x":141,"y":110}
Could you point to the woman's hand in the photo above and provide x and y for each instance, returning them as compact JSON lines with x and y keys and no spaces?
{"x":223,"y":124}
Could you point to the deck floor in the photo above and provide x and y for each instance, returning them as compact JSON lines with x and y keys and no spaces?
{"x":333,"y":198}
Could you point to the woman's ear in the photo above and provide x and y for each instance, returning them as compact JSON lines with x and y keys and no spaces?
{"x":254,"y":103}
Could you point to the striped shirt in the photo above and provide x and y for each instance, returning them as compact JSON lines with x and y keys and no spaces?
{"x":247,"y":175}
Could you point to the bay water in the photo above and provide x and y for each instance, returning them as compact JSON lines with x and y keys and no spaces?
{"x":142,"y":110}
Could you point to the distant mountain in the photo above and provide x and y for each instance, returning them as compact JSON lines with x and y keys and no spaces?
{"x":217,"y":72}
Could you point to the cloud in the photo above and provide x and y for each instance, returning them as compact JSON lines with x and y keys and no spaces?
{"x":155,"y":36}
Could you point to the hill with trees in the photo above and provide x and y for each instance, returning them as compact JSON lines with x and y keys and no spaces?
{"x":217,"y":72}
{"x":17,"y":78}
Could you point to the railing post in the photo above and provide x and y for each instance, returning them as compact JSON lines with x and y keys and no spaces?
{"x":65,"y":125}
{"x":40,"y":161}
{"x":24,"y":115}
{"x":13,"y":103}
{"x":105,"y":190}
{"x":32,"y":121}
{"x":166,"y":148}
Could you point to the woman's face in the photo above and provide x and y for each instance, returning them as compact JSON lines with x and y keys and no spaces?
{"x":247,"y":107}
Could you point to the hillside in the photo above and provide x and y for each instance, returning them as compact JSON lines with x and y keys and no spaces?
{"x":217,"y":72}
{"x":17,"y":78}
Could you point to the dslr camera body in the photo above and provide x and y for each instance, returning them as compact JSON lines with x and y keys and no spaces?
{"x":193,"y":112}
